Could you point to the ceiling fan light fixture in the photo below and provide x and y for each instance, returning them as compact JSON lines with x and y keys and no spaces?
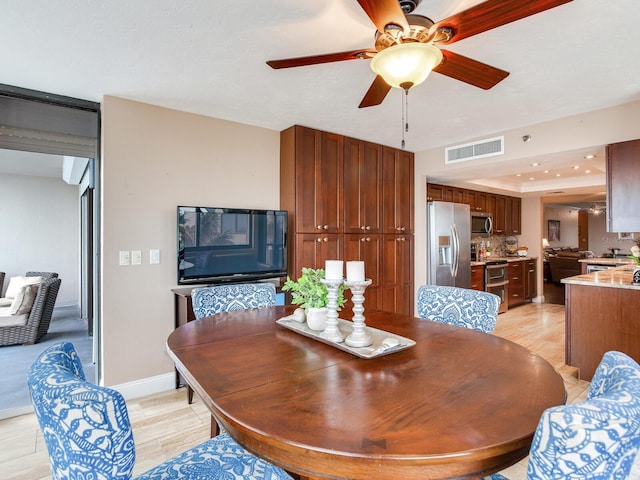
{"x":406,"y":63}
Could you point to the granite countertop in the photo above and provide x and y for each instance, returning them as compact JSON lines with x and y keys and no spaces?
{"x":507,"y":259}
{"x":618,"y":277}
{"x":607,"y":261}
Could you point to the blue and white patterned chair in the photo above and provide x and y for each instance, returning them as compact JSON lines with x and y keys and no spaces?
{"x":462,"y":307}
{"x":88,"y":434}
{"x":597,"y":439}
{"x":226,"y":298}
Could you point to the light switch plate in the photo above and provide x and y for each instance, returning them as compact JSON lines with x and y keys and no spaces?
{"x":125,"y":258}
{"x":136,"y":257}
{"x":154,"y":256}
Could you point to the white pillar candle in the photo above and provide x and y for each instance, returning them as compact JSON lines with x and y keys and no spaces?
{"x":333,"y":270}
{"x":355,"y":271}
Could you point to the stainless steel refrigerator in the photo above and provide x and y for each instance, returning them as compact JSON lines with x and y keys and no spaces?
{"x":448,"y":244}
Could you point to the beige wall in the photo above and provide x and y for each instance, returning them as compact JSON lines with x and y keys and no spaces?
{"x":40,"y":219}
{"x":154,"y":159}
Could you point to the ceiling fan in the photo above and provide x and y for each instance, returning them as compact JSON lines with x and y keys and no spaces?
{"x":398,"y":29}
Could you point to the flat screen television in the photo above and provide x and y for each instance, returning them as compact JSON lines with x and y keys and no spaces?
{"x":217,"y":245}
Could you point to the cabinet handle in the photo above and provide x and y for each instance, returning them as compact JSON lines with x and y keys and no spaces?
{"x":326,"y":227}
{"x":319,"y":227}
{"x":325,"y":239}
{"x":368,"y":227}
{"x":365,"y":239}
{"x":318,"y":240}
{"x":362,"y":227}
{"x":400,"y":239}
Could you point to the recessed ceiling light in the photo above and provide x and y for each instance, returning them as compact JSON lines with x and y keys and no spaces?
{"x":546,"y":171}
{"x":557,"y":174}
{"x":518,"y":174}
{"x":535,"y":164}
{"x":576,"y":167}
{"x":531,"y":178}
{"x":587,"y":171}
{"x":589,"y":157}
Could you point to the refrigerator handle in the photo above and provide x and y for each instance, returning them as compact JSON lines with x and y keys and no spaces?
{"x":456,"y":251}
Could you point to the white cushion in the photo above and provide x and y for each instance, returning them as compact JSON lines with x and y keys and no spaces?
{"x":7,"y":320}
{"x":6,"y":302}
{"x":16,"y":283}
{"x":23,"y":301}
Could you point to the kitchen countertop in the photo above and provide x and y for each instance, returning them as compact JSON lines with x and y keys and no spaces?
{"x":607,"y":261}
{"x":618,"y":277}
{"x":507,"y":259}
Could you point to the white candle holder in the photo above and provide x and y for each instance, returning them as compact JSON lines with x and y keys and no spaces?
{"x":359,"y":337}
{"x":331,"y":331}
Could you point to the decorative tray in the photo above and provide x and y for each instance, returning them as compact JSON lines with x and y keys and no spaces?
{"x":383,"y":342}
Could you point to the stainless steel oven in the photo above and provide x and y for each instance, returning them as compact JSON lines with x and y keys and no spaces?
{"x":496,"y":281}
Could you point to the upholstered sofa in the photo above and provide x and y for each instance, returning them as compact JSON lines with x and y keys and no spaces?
{"x":26,"y":309}
{"x":565,"y":264}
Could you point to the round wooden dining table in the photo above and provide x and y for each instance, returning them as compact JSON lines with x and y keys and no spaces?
{"x":459,"y":403}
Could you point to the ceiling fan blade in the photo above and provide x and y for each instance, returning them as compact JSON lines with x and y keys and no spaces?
{"x":376,"y":93}
{"x":470,"y":71}
{"x":491,"y":14}
{"x":326,"y":58}
{"x":385,"y":12}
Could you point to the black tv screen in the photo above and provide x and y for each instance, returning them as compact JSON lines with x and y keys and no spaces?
{"x":218,"y":245}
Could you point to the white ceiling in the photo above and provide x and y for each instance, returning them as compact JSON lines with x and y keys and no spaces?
{"x":209,"y":58}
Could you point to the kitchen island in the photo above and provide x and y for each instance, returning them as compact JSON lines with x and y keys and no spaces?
{"x":601,"y":263}
{"x":602,"y":314}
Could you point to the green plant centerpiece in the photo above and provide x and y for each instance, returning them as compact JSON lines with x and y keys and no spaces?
{"x":309,"y":291}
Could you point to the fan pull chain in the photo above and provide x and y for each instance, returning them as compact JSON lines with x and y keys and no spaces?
{"x":405,"y":114}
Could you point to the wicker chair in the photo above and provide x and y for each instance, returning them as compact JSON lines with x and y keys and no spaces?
{"x":88,"y":434}
{"x":459,"y":306}
{"x":39,"y":318}
{"x":1,"y":283}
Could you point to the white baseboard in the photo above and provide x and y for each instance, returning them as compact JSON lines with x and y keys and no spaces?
{"x":15,"y":412}
{"x":538,"y":299}
{"x":147,"y":386}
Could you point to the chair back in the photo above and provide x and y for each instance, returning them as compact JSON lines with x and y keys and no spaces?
{"x":45,"y":275}
{"x":86,"y":427}
{"x":461,"y":307}
{"x":42,"y":309}
{"x":226,"y":298}
{"x":598,"y":438}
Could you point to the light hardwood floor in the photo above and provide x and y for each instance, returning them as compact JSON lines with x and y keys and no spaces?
{"x":165,"y":424}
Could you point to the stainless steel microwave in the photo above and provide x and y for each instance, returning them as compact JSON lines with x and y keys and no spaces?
{"x":481,"y":223}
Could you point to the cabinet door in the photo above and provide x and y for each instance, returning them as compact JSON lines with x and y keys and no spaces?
{"x":499,"y":215}
{"x":623,"y":194}
{"x":481,"y":201}
{"x":362,"y":186}
{"x":368,"y":249}
{"x":434,"y":192}
{"x":397,"y":191}
{"x":469,"y":197}
{"x":531,"y":283}
{"x":512,"y":215}
{"x":397,"y":274}
{"x":516,"y":283}
{"x":319,"y":170}
{"x":477,"y":277}
{"x":312,"y":250}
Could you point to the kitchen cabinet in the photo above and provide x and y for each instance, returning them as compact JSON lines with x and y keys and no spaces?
{"x":367,"y":248}
{"x":516,"y":283}
{"x":434,"y":192}
{"x":499,"y":215}
{"x":312,"y":250}
{"x":397,"y":273}
{"x":530,"y":280}
{"x":340,"y":208}
{"x":513,"y":208}
{"x":623,"y":194}
{"x":316,"y":197}
{"x":477,"y":277}
{"x":397,"y":191}
{"x":362,"y":186}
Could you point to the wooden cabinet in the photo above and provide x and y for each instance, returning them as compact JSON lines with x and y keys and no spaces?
{"x":516,"y":283}
{"x":499,"y":215}
{"x":312,"y":250}
{"x":367,"y":248}
{"x":530,"y":280}
{"x":362,"y":186}
{"x":477,"y":277}
{"x":397,"y":191}
{"x":317,"y":159}
{"x":397,"y":273}
{"x":513,"y":207}
{"x":435,"y":192}
{"x":350,"y":199}
{"x":623,"y":179}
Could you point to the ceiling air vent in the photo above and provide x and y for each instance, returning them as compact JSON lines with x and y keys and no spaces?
{"x":473,"y":151}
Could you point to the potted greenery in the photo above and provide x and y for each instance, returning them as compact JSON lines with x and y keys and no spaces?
{"x":312,"y":295}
